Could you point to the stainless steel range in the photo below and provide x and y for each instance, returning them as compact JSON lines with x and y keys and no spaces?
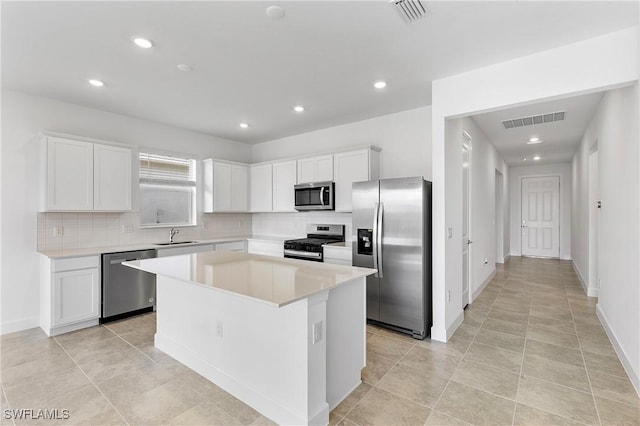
{"x":310,"y":248}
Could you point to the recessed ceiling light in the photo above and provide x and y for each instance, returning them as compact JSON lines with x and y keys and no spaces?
{"x":524,"y":159}
{"x":537,"y":157}
{"x":275,"y":12}
{"x":534,"y":141}
{"x":185,"y":67}
{"x":379,"y":84}
{"x":96,"y":83}
{"x":244,"y":125}
{"x":298,"y":108}
{"x":143,"y":42}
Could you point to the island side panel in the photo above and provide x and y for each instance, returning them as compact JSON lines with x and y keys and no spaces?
{"x":261,"y":354}
{"x":346,"y":339}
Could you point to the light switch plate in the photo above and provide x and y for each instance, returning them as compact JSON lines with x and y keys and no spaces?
{"x":58,"y":231}
{"x":317,"y":332}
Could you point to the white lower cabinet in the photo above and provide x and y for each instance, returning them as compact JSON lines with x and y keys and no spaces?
{"x":337,"y":255}
{"x":69,"y":294}
{"x":266,"y":248}
{"x":175,"y":251}
{"x":231,"y":246}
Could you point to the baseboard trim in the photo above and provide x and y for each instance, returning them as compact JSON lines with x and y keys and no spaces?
{"x":484,"y":284}
{"x":19,"y":325}
{"x":453,"y":327}
{"x":624,"y":359}
{"x":583,"y":283}
{"x":590,"y":292}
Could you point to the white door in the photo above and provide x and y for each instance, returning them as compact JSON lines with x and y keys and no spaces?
{"x":261,"y":188}
{"x":466,"y":242}
{"x":239,"y":188}
{"x":69,"y":175}
{"x":221,"y":187}
{"x":541,"y":216}
{"x":284,"y":178}
{"x":349,"y":167}
{"x":76,"y":296}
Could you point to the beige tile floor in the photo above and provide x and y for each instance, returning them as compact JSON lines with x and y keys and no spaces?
{"x":530,"y":351}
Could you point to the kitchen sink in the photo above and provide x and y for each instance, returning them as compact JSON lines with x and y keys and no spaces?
{"x":175,"y":243}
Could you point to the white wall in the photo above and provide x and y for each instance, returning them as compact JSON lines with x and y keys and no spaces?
{"x":485,"y":160}
{"x":23,"y":117}
{"x":591,"y":65}
{"x":516,"y":174}
{"x":615,"y":126}
{"x":405,"y":139}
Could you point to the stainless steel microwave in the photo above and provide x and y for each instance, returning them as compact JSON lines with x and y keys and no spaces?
{"x":314,"y":196}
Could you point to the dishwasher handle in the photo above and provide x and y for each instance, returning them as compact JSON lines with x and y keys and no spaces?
{"x":116,"y":261}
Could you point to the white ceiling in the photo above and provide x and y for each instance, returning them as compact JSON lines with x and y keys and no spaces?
{"x":560,"y":139}
{"x":324,"y":55}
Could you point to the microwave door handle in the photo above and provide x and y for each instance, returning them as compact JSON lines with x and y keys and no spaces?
{"x":322,"y":195}
{"x":374,"y":237}
{"x":379,"y":244}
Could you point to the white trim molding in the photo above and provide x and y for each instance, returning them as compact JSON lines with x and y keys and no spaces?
{"x":19,"y":325}
{"x":484,"y":284}
{"x":624,"y":359}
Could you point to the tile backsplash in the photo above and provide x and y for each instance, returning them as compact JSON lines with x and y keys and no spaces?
{"x":84,"y":230}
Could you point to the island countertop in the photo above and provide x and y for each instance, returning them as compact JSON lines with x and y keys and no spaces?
{"x":272,"y":280}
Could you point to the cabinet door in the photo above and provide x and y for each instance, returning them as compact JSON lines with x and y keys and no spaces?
{"x":112,"y":178}
{"x":239,"y":188}
{"x":69,"y":175}
{"x":307,"y":170}
{"x":221,"y":187}
{"x":284,"y":178}
{"x":261,"y":188}
{"x":324,"y":168}
{"x":349,"y":167}
{"x":176,"y":251}
{"x":76,"y":296}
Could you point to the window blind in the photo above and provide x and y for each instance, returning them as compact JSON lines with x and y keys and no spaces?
{"x":162,"y":169}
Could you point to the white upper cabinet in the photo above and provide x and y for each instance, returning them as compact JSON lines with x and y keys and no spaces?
{"x":350,"y":167}
{"x":225,"y":186}
{"x":315,"y":169}
{"x":83,"y":176}
{"x":111,"y":178}
{"x":261,"y":188}
{"x":284,"y":178}
{"x":69,"y":175}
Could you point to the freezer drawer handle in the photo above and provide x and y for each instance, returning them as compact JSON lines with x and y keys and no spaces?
{"x":380,"y":227}
{"x":375,"y":238}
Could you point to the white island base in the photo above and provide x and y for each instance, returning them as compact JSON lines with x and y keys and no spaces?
{"x":294,"y":361}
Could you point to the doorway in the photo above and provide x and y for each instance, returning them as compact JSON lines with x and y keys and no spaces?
{"x":541,"y":216}
{"x":499,"y":217}
{"x":466,"y":224}
{"x":594,"y":213}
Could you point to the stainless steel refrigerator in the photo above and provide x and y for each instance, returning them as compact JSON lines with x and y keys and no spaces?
{"x":392,"y":233}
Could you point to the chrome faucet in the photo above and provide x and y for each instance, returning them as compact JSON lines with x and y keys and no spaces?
{"x":172,"y":234}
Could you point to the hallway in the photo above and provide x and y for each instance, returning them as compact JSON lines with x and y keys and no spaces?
{"x":530,"y":351}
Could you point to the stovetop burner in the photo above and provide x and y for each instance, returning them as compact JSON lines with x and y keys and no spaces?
{"x":310,"y":248}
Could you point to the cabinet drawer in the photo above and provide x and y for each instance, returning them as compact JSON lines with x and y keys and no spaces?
{"x":73,"y":263}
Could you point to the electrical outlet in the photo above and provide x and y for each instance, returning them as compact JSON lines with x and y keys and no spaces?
{"x":58,"y":231}
{"x":219,"y":329}
{"x":448,"y":295}
{"x":450,"y":233}
{"x":317,"y":332}
{"x":127,"y":229}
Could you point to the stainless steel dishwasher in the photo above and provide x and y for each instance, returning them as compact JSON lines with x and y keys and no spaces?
{"x":126,"y":291}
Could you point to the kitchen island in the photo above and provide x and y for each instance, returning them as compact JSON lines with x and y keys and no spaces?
{"x":285,"y":336}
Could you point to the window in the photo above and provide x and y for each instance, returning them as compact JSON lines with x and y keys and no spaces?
{"x":167,"y":191}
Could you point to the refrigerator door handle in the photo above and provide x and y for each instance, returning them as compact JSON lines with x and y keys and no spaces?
{"x":375,"y":238}
{"x":379,"y":242}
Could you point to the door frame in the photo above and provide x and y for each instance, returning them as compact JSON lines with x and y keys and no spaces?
{"x":593,"y":284}
{"x":560,"y":209}
{"x":467,"y":144}
{"x":499,"y":216}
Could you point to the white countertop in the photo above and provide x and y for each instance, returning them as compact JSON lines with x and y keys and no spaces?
{"x":90,"y":251}
{"x":341,"y":245}
{"x":272,"y":280}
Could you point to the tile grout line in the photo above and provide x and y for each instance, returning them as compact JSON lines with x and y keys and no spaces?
{"x":524,"y":349}
{"x":90,"y":380}
{"x":4,"y":394}
{"x":593,"y":397}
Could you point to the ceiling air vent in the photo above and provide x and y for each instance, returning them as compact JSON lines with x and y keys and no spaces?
{"x":409,"y":10}
{"x":535,"y":119}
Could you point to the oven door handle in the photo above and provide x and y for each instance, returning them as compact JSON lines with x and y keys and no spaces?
{"x":310,"y":255}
